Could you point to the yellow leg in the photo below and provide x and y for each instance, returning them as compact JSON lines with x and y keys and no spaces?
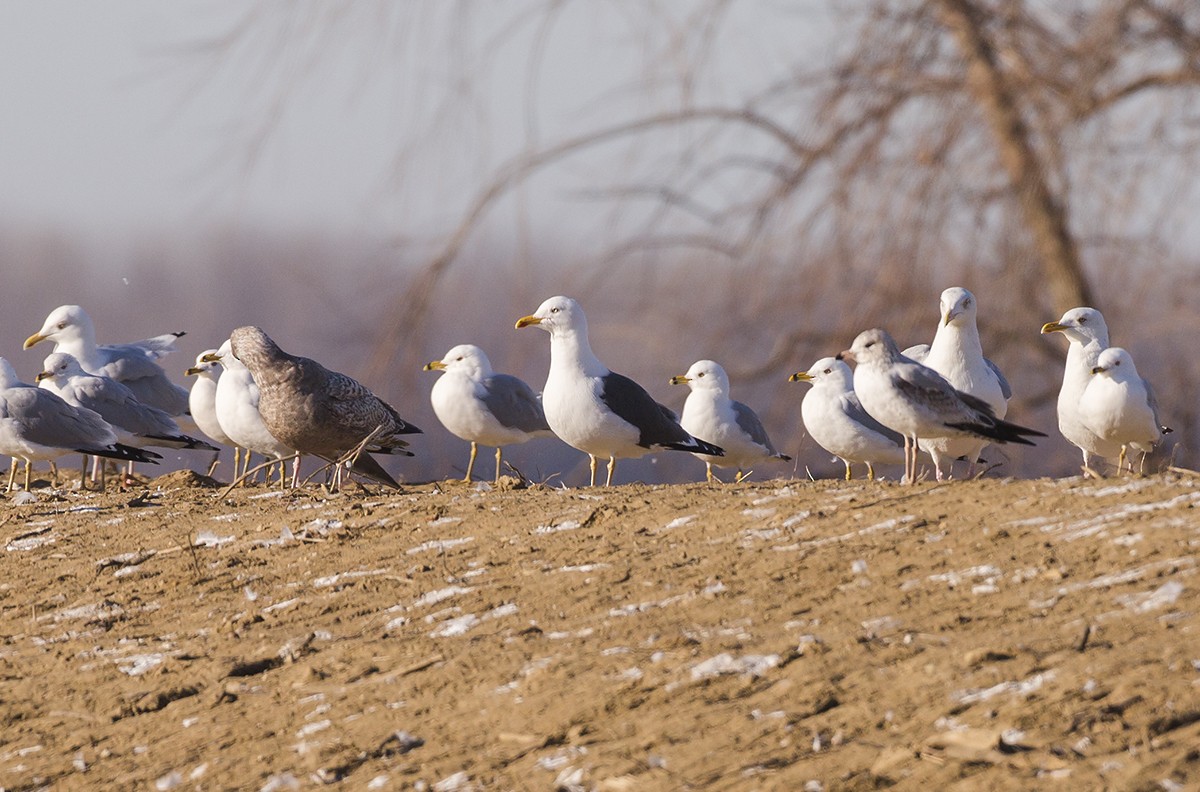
{"x":592,"y":466}
{"x":497,"y":481}
{"x":870,"y":472}
{"x":12,"y":475}
{"x":847,"y":464}
{"x":612,"y":465}
{"x":708,"y":474}
{"x":471,"y":461}
{"x":1121,"y":461}
{"x":740,"y":477}
{"x":28,"y":471}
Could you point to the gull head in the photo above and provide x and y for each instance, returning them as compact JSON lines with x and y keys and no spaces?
{"x":872,"y":347}
{"x":206,"y":362}
{"x":825,"y":372}
{"x":1082,"y":325}
{"x":958,"y":306}
{"x":65,"y":323}
{"x":1116,"y":363}
{"x":704,"y":375}
{"x":465,"y":359}
{"x":558,"y":314}
{"x":223,"y":357}
{"x":253,"y":347}
{"x":59,"y":366}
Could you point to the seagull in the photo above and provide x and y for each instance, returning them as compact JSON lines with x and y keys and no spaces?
{"x":594,"y":409}
{"x":71,"y":330}
{"x":1087,"y":333}
{"x":36,"y":424}
{"x":957,"y":354}
{"x":476,"y":404}
{"x":235,"y":403}
{"x":1119,"y":406}
{"x":135,"y":424}
{"x":916,"y":401}
{"x":836,"y":420}
{"x":710,"y":414}
{"x":202,"y":404}
{"x":318,"y":411}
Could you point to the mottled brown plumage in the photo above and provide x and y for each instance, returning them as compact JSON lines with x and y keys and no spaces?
{"x":317,"y":411}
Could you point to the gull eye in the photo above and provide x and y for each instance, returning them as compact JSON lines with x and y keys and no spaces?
{"x":870,"y":344}
{"x":554,"y":310}
{"x":1082,"y":319}
{"x":701,"y":374}
{"x":62,"y":325}
{"x":827,"y":371}
{"x":460,"y":357}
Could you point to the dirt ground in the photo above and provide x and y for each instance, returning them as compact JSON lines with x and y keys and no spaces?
{"x":789,"y":635}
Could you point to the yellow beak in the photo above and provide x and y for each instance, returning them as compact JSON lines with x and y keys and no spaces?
{"x":680,"y":379}
{"x":193,"y":371}
{"x":1052,"y":327}
{"x":43,"y":375}
{"x":525,"y":321}
{"x":434,"y":365}
{"x":210,"y":359}
{"x":36,"y":338}
{"x":800,"y":376}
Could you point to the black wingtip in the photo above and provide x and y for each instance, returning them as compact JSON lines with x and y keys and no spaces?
{"x":182,"y":441}
{"x":123,"y":452}
{"x":1001,"y":431}
{"x":366,"y":465}
{"x":697,"y":446}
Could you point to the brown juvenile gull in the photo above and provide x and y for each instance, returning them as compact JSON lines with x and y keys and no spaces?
{"x":317,"y":411}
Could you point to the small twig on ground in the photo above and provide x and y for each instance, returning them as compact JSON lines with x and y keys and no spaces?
{"x":251,"y":472}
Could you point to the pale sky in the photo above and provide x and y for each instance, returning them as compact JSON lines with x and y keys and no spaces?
{"x":111,"y":122}
{"x":117,"y":116}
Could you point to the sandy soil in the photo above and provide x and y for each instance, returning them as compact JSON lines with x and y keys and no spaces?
{"x":780,"y":635}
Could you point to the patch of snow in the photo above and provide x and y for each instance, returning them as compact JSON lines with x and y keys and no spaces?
{"x":136,"y":665}
{"x":440,"y":595}
{"x":1161,"y":597}
{"x":210,"y":539}
{"x":759,"y":514}
{"x":330,"y":580}
{"x":725,"y":663}
{"x":565,"y":525}
{"x":440,"y":544}
{"x":1020,"y":688}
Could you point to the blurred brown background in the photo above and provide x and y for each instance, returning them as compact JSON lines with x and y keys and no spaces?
{"x":750,"y":182}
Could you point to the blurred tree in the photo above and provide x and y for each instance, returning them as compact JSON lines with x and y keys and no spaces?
{"x":1006,"y":131}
